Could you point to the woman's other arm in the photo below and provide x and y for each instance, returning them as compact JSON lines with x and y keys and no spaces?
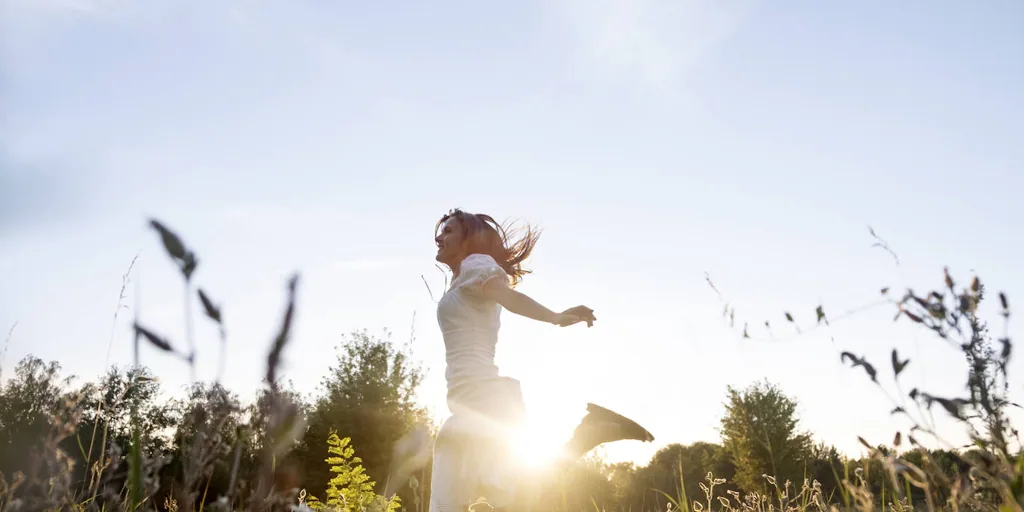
{"x":523,"y":305}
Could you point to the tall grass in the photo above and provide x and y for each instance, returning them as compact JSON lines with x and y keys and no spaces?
{"x":990,"y":476}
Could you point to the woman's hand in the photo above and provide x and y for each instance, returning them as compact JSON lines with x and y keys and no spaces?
{"x":575,"y":315}
{"x":565,"y":319}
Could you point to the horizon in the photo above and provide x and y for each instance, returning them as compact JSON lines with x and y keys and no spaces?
{"x":655,"y":143}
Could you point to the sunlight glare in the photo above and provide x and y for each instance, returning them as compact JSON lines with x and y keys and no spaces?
{"x":536,"y":446}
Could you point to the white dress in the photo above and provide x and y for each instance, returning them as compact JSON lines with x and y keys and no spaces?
{"x":472,"y":453}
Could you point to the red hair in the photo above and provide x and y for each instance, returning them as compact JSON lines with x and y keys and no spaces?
{"x":483,"y":235}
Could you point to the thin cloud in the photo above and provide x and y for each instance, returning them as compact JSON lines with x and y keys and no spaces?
{"x":654,"y":42}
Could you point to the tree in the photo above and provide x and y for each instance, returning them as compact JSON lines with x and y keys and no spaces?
{"x":369,"y":397}
{"x":31,"y":413}
{"x":202,"y":454}
{"x":686,"y":465}
{"x":105,"y":428}
{"x":827,"y":467}
{"x":759,"y":432}
{"x":277,"y":424}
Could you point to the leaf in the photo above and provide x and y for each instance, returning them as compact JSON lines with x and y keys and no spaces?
{"x":211,"y":311}
{"x":951,"y":406}
{"x":870,"y":370}
{"x":274,"y":357}
{"x":789,"y":317}
{"x":159,"y":342}
{"x":913,"y":316}
{"x":912,"y":441}
{"x":885,"y":291}
{"x":172,"y":243}
{"x":975,"y":284}
{"x":859,"y":361}
{"x":820,"y":311}
{"x":913,"y":394}
{"x":1007,"y":347}
{"x":949,"y":280}
{"x":865,"y":443}
{"x":1004,"y":302}
{"x":937,"y":310}
{"x":897,"y":365}
{"x":188,"y":265}
{"x":897,"y":440}
{"x":745,"y":334}
{"x":897,"y":410}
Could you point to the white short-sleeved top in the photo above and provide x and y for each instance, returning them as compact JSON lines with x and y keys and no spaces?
{"x":469,"y":322}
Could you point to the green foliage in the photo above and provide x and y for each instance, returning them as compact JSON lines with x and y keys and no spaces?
{"x":135,"y":465}
{"x":370,"y":394}
{"x":677,"y":470}
{"x":27,"y":403}
{"x":115,"y":444}
{"x":350,"y":489}
{"x":759,"y":432}
{"x":993,"y":471}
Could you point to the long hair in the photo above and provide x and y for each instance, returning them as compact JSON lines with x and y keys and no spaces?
{"x":483,"y":235}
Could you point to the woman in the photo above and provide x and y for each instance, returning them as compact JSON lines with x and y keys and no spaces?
{"x":472,"y":453}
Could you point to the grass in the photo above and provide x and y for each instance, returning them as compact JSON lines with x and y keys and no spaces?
{"x":254,"y":454}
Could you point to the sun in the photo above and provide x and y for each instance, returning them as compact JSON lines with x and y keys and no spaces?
{"x":536,"y":447}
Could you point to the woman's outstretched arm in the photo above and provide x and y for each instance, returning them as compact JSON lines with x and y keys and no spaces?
{"x":521,"y":304}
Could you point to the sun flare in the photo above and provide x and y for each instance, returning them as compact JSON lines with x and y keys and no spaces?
{"x":536,"y":447}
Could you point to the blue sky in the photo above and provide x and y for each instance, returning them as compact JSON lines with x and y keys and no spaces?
{"x":653,"y":141}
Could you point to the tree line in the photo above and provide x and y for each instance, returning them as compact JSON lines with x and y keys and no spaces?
{"x":361,"y":442}
{"x":368,"y":397}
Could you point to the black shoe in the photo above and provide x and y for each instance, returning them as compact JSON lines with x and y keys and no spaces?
{"x":601,"y":426}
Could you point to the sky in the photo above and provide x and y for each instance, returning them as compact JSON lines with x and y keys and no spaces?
{"x":654,"y":142}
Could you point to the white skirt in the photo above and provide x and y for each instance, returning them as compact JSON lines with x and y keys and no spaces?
{"x":474,"y":451}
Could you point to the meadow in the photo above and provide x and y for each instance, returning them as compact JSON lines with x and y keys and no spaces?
{"x":362,"y":443}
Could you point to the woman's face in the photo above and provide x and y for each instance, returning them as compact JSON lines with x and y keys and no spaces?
{"x":450,"y":246}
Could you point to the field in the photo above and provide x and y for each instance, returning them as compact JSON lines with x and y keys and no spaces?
{"x":363,"y":443}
